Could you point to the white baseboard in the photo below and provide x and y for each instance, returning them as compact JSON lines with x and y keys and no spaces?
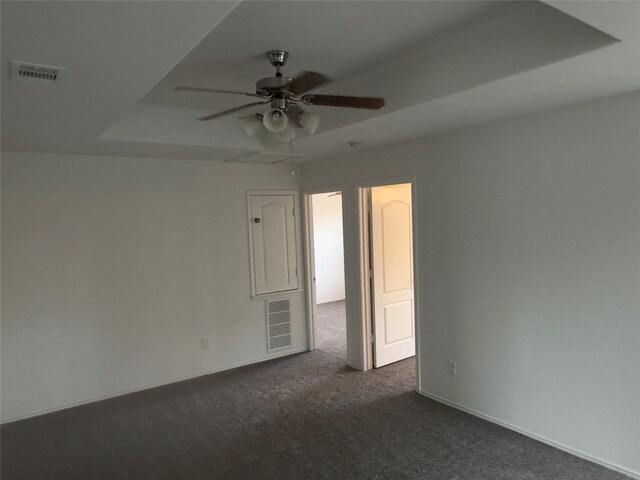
{"x":529,"y":434}
{"x":151,"y":385}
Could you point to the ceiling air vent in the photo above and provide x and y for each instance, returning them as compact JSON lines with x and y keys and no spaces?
{"x":32,"y":73}
{"x":265,"y":158}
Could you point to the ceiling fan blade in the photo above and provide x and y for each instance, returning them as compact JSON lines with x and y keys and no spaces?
{"x":307,"y":81}
{"x":231,"y":110}
{"x":293,"y":111}
{"x":214,"y":90}
{"x":371,"y":103}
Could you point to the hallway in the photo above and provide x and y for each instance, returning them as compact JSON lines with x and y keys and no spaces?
{"x":331,"y":328}
{"x":307,"y":416}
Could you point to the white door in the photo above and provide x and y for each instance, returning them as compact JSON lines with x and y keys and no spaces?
{"x":392,"y":252}
{"x":273,"y":237}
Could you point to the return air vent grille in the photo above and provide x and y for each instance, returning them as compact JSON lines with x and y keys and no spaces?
{"x":265,"y":158}
{"x":32,"y":73}
{"x":278,"y":324}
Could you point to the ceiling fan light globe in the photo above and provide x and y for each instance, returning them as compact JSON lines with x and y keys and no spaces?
{"x":309,"y":121}
{"x":285,"y":135}
{"x":252,"y":125}
{"x":275,"y":120}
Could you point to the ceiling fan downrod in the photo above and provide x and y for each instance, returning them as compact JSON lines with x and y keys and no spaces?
{"x":276,"y":85}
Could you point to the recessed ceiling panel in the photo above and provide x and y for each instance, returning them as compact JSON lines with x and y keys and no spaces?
{"x":410,"y":53}
{"x":265,"y":158}
{"x":426,"y":58}
{"x":338,"y":39}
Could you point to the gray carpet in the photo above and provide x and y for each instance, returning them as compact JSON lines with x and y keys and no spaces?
{"x":303,"y":417}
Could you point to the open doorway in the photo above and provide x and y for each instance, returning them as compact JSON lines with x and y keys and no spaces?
{"x":326,"y":246}
{"x":388,"y":273}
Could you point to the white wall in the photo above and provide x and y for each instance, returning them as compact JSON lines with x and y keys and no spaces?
{"x":528,"y":245}
{"x":113,"y":270}
{"x":328,"y":247}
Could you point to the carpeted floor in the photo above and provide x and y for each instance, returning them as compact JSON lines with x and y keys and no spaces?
{"x":303,"y":417}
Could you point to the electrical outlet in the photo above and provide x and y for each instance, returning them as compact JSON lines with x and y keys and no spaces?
{"x":204,"y":343}
{"x":452,"y":367}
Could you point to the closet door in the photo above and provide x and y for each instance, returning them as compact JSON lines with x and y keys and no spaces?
{"x":273,"y":234}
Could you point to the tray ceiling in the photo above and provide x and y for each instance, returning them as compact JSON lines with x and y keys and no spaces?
{"x":439,"y":65}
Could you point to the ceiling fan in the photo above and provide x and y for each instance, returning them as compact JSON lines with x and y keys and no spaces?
{"x":284,"y":94}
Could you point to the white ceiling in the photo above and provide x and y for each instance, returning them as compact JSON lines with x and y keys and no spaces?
{"x":439,"y":66}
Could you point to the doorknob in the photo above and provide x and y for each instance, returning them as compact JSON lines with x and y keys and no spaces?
{"x":256,"y":220}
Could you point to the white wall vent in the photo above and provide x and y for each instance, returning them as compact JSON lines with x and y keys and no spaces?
{"x":278,"y":324}
{"x":32,"y":73}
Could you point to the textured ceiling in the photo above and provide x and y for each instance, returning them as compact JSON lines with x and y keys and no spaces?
{"x":439,"y":65}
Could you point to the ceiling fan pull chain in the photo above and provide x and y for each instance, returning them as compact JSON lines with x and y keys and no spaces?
{"x":291,"y":150}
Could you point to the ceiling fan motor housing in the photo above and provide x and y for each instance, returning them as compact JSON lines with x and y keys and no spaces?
{"x":273,"y":86}
{"x":279,"y":103}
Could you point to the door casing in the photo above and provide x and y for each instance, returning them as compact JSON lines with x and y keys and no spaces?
{"x":298,"y":249}
{"x":391,"y":204}
{"x":366,"y":360}
{"x":365,"y":286}
{"x":310,"y":258}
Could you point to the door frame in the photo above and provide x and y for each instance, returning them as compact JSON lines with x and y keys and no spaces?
{"x":310,"y":264}
{"x":365,"y":286}
{"x":299,"y":251}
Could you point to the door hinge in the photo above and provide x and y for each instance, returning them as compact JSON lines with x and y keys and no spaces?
{"x":370,"y":273}
{"x":372,"y":338}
